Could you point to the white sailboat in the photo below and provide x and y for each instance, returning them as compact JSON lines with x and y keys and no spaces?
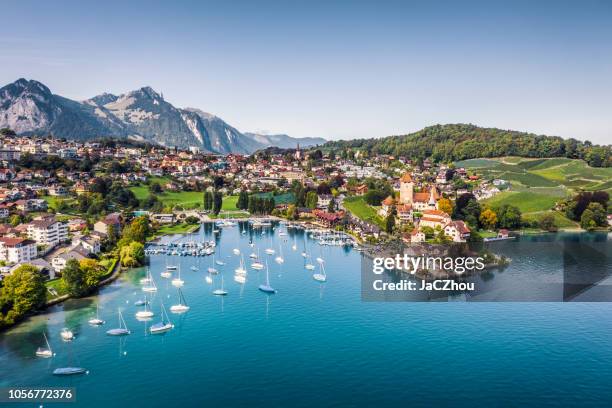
{"x":241,"y":279}
{"x":177,"y":282}
{"x":96,"y":321}
{"x":67,"y":335}
{"x":270,"y":251}
{"x":294,"y":246}
{"x":43,"y":352}
{"x":279,"y":259}
{"x":208,"y":280}
{"x":266,"y":286}
{"x":122,"y":330}
{"x":146,"y":313}
{"x":309,"y":264}
{"x":321,"y":276}
{"x":150,"y":286}
{"x":167,"y":273}
{"x":182,"y":305}
{"x":320,"y":260}
{"x":164,"y":325}
{"x":221,"y":291}
{"x":241,"y":270}
{"x":236,"y":251}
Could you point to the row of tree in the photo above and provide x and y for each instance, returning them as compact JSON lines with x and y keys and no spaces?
{"x":213,"y":201}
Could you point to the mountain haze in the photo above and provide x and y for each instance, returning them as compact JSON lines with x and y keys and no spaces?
{"x":30,"y":108}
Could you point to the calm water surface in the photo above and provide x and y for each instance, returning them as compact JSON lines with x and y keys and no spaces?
{"x":317,"y":344}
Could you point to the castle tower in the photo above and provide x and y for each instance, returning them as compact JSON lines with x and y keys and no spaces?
{"x":406,"y":189}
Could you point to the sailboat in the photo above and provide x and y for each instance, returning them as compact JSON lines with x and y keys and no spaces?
{"x":309,"y":264}
{"x":236,"y":251}
{"x":266,"y":286}
{"x":147,"y":278}
{"x":150,"y":287}
{"x":67,"y":335}
{"x":178,"y":281}
{"x":208,"y":280}
{"x":163,"y":326}
{"x":218,"y":261}
{"x":279,"y":259}
{"x":270,"y":251}
{"x":96,"y":321}
{"x":146,"y":313}
{"x":166,"y":273}
{"x":221,"y":291}
{"x":241,"y":269}
{"x":240,"y":279}
{"x":122,"y":330}
{"x":141,"y":302}
{"x":182,"y":305}
{"x":320,"y":260}
{"x":294,"y":246}
{"x":44,"y":352}
{"x":321,"y":276}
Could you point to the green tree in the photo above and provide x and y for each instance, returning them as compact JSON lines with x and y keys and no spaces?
{"x":312,"y":199}
{"x":390,"y":221}
{"x":547,"y":223}
{"x":208,"y":200}
{"x":587,"y":220}
{"x":509,"y":217}
{"x":132,"y":255}
{"x":217,"y":202}
{"x":74,"y":279}
{"x":22,"y":291}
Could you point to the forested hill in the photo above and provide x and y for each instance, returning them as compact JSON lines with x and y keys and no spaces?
{"x":460,"y":141}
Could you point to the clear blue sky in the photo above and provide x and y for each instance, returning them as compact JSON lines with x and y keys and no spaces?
{"x":331,"y":69}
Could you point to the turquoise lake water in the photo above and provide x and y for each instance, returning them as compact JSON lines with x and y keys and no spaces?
{"x":315,"y":344}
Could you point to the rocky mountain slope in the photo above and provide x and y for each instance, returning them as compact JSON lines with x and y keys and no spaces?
{"x":29,"y":107}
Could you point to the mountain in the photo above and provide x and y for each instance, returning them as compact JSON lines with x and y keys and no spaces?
{"x":30,"y":108}
{"x":285,"y":141}
{"x":453,"y":142}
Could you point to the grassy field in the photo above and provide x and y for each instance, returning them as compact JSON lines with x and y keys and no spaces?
{"x":185,"y":199}
{"x":526,"y":201}
{"x":561,"y":221}
{"x":568,"y":173}
{"x":360,"y":209}
{"x":175,"y":229}
{"x":229,"y":203}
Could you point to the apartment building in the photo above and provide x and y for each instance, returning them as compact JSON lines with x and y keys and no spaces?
{"x":48,"y":231}
{"x":17,"y":250}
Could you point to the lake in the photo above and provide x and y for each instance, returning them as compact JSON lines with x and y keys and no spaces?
{"x":319,"y":344}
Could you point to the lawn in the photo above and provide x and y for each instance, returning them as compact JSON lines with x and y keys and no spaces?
{"x":526,"y":201}
{"x":182,"y":228}
{"x":360,"y":209}
{"x":185,"y":199}
{"x":58,"y":286}
{"x":561,"y":221}
{"x":229,"y":203}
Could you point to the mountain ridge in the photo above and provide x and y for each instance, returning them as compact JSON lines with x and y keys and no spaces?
{"x":29,"y":108}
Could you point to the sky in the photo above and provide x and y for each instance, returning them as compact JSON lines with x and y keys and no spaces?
{"x":331,"y":69}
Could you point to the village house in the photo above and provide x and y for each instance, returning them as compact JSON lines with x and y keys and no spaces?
{"x":47,"y":231}
{"x":113,"y":219}
{"x":17,"y":250}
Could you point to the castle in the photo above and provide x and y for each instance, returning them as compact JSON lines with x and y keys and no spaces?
{"x":426,"y":200}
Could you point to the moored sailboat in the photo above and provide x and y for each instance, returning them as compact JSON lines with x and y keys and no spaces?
{"x":182,"y":305}
{"x":43,"y":352}
{"x":122,"y":330}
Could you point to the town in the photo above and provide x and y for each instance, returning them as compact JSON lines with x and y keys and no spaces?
{"x":68,"y":203}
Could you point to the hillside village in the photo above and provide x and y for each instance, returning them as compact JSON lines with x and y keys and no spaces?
{"x":59,"y":199}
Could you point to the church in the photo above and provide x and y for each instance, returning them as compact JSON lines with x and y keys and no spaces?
{"x":419,"y":201}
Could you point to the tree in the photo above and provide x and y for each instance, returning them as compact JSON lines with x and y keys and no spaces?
{"x":332,"y":205}
{"x":132,"y":255}
{"x":22,"y":291}
{"x":548,"y":223}
{"x":599,"y":214}
{"x":446,"y":205}
{"x":92,"y":271}
{"x":217,"y":202}
{"x":509,"y":217}
{"x":488,"y":219}
{"x":155,"y":188}
{"x":587,"y":220}
{"x":208,"y":201}
{"x":390,"y":221}
{"x":312,"y":199}
{"x":74,"y":279}
{"x":292,"y":212}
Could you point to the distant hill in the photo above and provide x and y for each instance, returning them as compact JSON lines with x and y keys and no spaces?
{"x":465,"y":141}
{"x":30,"y":108}
{"x":285,"y":141}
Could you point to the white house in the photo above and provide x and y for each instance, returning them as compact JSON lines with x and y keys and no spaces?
{"x":17,"y":250}
{"x":48,"y":231}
